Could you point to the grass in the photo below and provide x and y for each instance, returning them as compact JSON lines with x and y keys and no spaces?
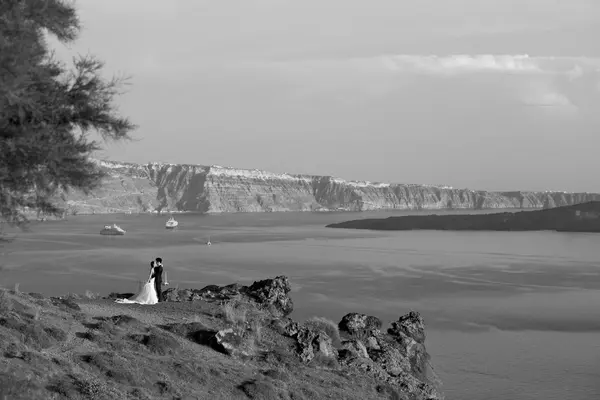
{"x":234,"y":313}
{"x":5,"y":302}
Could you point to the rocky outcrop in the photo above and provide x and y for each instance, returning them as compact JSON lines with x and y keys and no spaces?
{"x":270,"y":295}
{"x":213,"y":189}
{"x":396,"y":357}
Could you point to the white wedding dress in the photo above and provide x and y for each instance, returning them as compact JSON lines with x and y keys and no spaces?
{"x":146,"y":296}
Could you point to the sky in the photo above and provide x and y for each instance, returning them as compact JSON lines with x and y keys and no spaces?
{"x":484,"y":94}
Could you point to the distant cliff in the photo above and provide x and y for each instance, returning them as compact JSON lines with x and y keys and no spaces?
{"x":214,"y":189}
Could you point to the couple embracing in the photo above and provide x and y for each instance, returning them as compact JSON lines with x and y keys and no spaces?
{"x":151,"y":291}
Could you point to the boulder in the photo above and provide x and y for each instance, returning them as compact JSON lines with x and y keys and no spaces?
{"x":229,"y":342}
{"x":411,"y":325}
{"x":312,"y":343}
{"x":359,"y":324}
{"x":286,"y":326}
{"x":178,"y":295}
{"x":273,"y":295}
{"x":355,"y":347}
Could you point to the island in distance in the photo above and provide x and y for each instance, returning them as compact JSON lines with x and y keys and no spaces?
{"x":583,"y":217}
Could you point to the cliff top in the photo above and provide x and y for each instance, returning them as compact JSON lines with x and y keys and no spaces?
{"x":229,"y":342}
{"x":262,"y":174}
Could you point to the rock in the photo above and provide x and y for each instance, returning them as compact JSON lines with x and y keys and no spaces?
{"x":229,"y":342}
{"x":273,"y":294}
{"x":311,"y":344}
{"x":268,"y":294}
{"x":390,"y":357}
{"x":411,"y":325}
{"x":359,"y":324}
{"x":286,"y":326}
{"x":355,"y":346}
{"x":397,"y":357}
{"x":67,"y":304}
{"x":371,"y":343}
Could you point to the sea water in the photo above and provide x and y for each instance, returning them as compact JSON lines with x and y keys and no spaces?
{"x":509,"y":315}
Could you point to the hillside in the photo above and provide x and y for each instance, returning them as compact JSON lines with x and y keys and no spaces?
{"x":214,"y":189}
{"x":229,"y":342}
{"x":577,"y":218}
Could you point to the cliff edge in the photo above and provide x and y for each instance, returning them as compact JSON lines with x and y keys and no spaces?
{"x":219,"y":342}
{"x":213,"y":189}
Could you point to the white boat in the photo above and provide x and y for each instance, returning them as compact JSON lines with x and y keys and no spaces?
{"x":171,"y":223}
{"x":112,"y":230}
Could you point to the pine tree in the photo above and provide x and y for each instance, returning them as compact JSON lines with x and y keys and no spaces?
{"x":48,"y":109}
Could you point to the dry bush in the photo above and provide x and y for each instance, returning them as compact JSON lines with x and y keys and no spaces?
{"x":327,"y":326}
{"x":91,"y":295}
{"x":36,"y":313}
{"x":256,"y":329}
{"x":233,"y":313}
{"x":6,"y":303}
{"x":16,"y":288}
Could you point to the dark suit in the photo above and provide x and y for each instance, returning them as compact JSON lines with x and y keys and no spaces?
{"x":157,"y":275}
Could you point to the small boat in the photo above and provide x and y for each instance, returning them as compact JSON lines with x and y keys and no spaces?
{"x":112,"y":230}
{"x":171,"y":223}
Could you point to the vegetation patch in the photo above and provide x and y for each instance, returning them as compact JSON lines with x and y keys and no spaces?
{"x":327,"y":326}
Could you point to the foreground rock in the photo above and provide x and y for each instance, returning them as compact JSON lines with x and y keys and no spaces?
{"x":270,"y":295}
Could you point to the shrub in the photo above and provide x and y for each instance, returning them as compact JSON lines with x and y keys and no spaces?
{"x":256,"y":328}
{"x":327,"y":326}
{"x":233,"y":313}
{"x":5,"y":302}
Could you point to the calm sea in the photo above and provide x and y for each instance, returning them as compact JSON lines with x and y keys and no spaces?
{"x":510,"y":315}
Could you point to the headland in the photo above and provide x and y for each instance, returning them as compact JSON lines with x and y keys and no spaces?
{"x":218,"y":342}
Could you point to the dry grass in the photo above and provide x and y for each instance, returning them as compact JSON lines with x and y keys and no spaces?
{"x":327,"y":326}
{"x":256,"y":328}
{"x":16,"y":288}
{"x":6,"y":303}
{"x":91,"y":295}
{"x":37,"y":312}
{"x":235,"y":314}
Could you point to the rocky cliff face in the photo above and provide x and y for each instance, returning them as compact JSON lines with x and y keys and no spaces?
{"x":214,"y":189}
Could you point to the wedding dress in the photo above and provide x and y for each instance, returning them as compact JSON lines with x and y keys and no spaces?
{"x":147,"y":295}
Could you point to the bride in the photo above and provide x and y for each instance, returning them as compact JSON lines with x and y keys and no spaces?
{"x":147,"y":294}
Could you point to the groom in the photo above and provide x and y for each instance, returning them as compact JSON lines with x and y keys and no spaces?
{"x":157,"y":275}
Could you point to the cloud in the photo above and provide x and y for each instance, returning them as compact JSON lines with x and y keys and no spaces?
{"x":461,"y":63}
{"x":444,"y":65}
{"x":528,"y":80}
